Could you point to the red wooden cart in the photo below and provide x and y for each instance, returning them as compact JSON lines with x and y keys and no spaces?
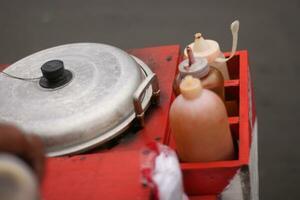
{"x":113,"y":171}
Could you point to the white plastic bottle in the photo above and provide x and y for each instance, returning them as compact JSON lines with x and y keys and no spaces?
{"x":210,"y":50}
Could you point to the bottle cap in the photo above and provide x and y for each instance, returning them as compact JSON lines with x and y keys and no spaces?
{"x":197,"y":67}
{"x":190,"y":87}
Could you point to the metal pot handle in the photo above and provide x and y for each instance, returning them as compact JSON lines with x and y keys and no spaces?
{"x":137,"y":96}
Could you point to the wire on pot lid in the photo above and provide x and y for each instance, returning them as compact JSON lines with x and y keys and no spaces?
{"x":21,"y":78}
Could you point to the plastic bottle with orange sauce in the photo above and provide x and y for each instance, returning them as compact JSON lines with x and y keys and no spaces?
{"x":199,"y":124}
{"x":211,"y":78}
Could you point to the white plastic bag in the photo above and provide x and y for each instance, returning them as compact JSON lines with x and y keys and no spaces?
{"x":161,"y":172}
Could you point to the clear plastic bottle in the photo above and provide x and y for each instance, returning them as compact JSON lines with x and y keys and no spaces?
{"x":210,"y":77}
{"x":199,"y":123}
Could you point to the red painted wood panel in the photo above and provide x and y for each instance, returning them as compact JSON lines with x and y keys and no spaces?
{"x":206,"y":197}
{"x":109,"y":176}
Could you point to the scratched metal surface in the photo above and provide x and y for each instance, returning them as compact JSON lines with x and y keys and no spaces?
{"x":269,"y":30}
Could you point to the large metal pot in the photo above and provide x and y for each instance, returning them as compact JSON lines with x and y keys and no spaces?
{"x":88,"y":93}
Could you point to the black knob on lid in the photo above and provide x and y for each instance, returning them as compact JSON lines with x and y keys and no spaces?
{"x":53,"y":69}
{"x":54,"y":74}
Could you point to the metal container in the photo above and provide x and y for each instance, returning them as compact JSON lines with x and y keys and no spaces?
{"x":87,"y":94}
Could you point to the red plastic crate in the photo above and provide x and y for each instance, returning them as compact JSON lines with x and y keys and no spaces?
{"x":213,"y":177}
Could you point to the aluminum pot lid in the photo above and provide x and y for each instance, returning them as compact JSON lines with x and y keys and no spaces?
{"x":82,"y":112}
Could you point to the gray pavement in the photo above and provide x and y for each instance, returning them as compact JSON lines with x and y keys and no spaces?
{"x":269,"y":30}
